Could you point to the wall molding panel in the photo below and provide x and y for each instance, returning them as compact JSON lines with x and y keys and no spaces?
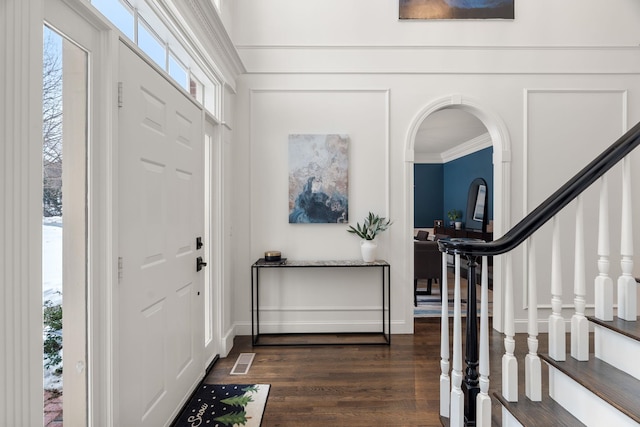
{"x":592,"y":119}
{"x":300,"y":298}
{"x":618,"y":95}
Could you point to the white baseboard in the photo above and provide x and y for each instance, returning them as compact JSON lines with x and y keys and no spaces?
{"x":227,"y":341}
{"x":397,"y":327}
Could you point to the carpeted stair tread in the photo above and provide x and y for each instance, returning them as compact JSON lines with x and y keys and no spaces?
{"x":614,"y":386}
{"x":627,"y":328}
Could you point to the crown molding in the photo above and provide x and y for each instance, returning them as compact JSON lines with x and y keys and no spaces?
{"x":383,"y":59}
{"x":427,"y":158}
{"x":476,"y":144}
{"x":432,"y":47}
{"x":206,"y":31}
{"x":469,"y":147}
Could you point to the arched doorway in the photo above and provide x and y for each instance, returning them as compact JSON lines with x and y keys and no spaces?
{"x":501,"y":171}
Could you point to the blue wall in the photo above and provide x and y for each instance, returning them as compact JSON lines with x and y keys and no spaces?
{"x":439,"y":188}
{"x":458,"y":175}
{"x":428,"y":194}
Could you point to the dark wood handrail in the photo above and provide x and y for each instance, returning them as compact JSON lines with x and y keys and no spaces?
{"x":470,"y":249}
{"x":552,"y":205}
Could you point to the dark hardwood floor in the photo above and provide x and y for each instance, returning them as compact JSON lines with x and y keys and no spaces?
{"x":347,"y":385}
{"x":355,"y":385}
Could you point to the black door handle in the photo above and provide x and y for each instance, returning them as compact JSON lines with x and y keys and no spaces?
{"x":200,"y":263}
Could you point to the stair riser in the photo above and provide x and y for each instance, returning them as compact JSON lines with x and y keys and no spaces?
{"x":617,"y":350}
{"x":584,"y":405}
{"x":508,"y":420}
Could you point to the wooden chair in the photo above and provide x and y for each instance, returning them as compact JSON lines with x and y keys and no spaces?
{"x":427,"y":264}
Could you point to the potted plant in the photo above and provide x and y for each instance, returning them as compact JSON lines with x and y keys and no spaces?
{"x":454,"y":215}
{"x":373,"y":225}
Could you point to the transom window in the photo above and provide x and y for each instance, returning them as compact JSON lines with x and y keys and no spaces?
{"x":138,"y":22}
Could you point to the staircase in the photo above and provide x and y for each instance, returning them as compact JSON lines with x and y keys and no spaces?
{"x":598,"y":392}
{"x":597,"y":382}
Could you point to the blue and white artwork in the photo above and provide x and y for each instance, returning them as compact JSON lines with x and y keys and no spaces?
{"x":456,"y":9}
{"x":318,"y":178}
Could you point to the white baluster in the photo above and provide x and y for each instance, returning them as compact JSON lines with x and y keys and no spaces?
{"x":457,"y":397}
{"x":627,"y":288}
{"x":579,"y":323}
{"x":445,"y":381}
{"x":532,"y":366}
{"x":604,"y":283}
{"x":557,"y":330}
{"x":483,"y":401}
{"x":509,"y":361}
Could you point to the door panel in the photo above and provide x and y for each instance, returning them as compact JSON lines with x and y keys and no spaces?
{"x":161,"y":208}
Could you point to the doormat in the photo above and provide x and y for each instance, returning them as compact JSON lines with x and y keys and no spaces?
{"x":225,"y":405}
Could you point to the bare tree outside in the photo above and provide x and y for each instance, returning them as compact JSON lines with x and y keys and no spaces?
{"x":52,"y":125}
{"x":52,"y":214}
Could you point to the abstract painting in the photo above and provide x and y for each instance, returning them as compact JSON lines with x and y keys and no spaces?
{"x":456,"y":9}
{"x":318,"y":178}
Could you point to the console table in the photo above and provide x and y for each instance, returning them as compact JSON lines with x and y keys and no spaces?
{"x":384,"y":267}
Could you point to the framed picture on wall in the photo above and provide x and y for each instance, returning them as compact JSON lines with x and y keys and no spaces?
{"x":318,"y":178}
{"x":456,"y":9}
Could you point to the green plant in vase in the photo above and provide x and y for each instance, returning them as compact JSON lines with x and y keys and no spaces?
{"x":454,"y":215}
{"x":372,"y":226}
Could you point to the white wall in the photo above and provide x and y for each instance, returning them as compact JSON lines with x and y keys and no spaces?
{"x":362,"y":114}
{"x":375,"y":22}
{"x":562,"y":77}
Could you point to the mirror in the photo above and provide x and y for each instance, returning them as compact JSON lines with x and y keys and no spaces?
{"x":476,"y":212}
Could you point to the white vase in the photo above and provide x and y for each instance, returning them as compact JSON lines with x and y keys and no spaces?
{"x":368,"y":249}
{"x":458,"y":225}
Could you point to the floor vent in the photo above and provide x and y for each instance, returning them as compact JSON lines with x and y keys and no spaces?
{"x":243,"y":364}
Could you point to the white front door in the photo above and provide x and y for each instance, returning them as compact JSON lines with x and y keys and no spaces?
{"x":161,"y":209}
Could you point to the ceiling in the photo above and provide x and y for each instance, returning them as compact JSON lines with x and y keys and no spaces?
{"x":446,"y":129}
